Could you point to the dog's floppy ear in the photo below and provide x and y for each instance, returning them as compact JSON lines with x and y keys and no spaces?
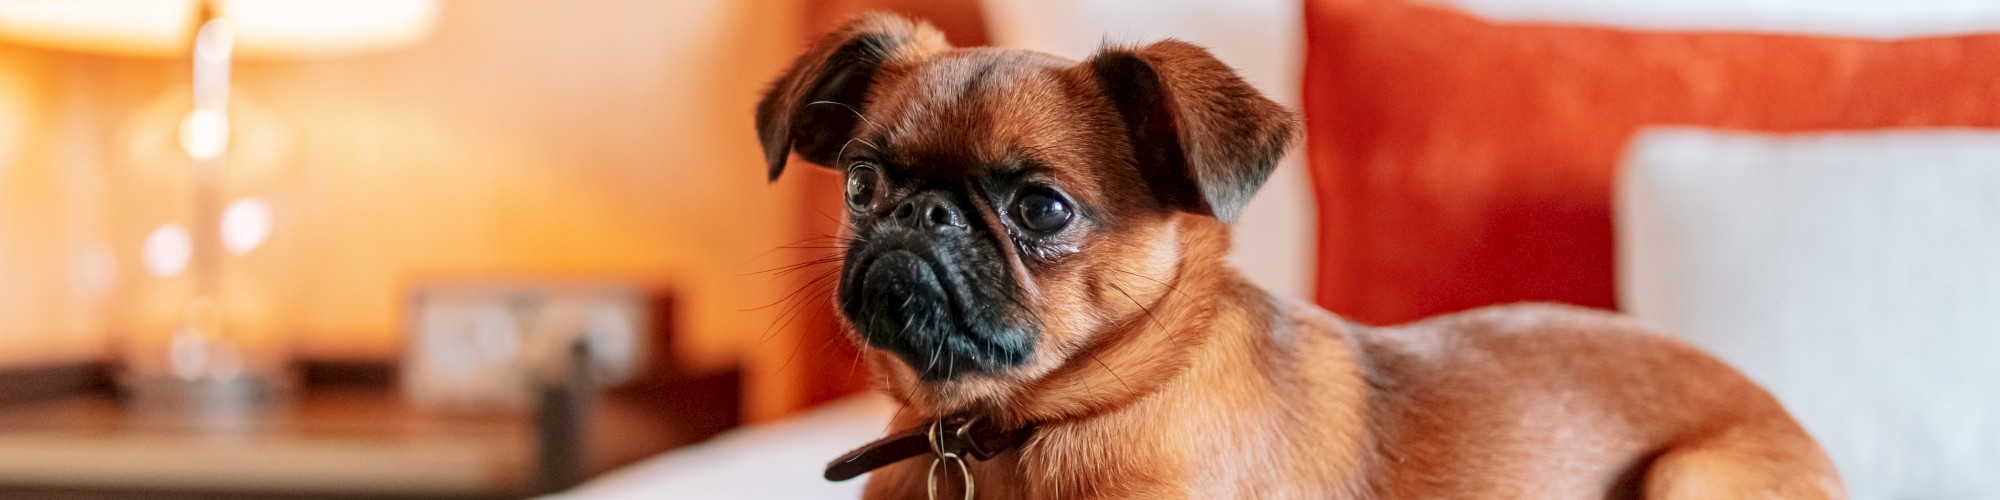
{"x":1204,"y":139}
{"x":814,"y":107}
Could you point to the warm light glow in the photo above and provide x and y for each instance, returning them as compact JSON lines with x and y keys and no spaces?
{"x":204,"y":134}
{"x":213,"y":46}
{"x":214,"y":43}
{"x":167,"y":251}
{"x":123,"y":27}
{"x":266,"y":28}
{"x":246,"y":223}
{"x":282,"y":28}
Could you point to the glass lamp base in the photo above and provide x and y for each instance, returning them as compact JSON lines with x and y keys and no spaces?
{"x":209,"y":400}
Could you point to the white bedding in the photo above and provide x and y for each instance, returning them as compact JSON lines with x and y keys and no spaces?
{"x":778,"y":460}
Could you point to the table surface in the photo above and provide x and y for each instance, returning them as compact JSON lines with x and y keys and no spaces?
{"x":326,"y":442}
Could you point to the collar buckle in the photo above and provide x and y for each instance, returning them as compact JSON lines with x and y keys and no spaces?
{"x":951,"y":442}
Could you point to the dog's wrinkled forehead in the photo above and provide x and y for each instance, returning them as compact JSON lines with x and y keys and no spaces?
{"x":982,"y":107}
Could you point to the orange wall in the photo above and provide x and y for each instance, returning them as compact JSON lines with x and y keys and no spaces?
{"x":523,"y":138}
{"x":48,"y":311}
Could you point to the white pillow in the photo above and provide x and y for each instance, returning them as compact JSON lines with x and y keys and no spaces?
{"x":1854,"y":274}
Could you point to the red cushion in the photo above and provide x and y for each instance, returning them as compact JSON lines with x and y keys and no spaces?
{"x":1461,"y":163}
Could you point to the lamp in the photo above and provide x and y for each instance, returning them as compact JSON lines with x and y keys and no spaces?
{"x":201,"y":366}
{"x":265,"y":29}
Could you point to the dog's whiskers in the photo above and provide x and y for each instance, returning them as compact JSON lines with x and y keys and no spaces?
{"x":760,"y":255}
{"x":843,"y":146}
{"x":1169,"y":286}
{"x":1107,"y":369}
{"x":788,"y":268}
{"x":802,"y":342}
{"x":853,"y":231}
{"x":820,"y":285}
{"x":1142,"y":307}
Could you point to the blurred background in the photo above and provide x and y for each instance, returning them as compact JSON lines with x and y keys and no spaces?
{"x":508,"y":248}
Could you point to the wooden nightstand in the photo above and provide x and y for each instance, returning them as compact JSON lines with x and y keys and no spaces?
{"x":346,"y":442}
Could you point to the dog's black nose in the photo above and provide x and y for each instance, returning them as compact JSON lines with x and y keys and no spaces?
{"x":929,"y":211}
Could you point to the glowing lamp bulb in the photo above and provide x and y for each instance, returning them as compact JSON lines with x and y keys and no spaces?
{"x":204,"y":134}
{"x":246,"y":223}
{"x":167,"y":251}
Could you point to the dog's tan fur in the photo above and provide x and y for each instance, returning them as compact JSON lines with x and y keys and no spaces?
{"x":1162,"y":373}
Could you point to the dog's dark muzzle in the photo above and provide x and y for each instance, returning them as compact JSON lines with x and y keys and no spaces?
{"x":920,"y":296}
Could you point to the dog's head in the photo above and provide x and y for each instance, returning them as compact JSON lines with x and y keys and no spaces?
{"x":1007,"y":208}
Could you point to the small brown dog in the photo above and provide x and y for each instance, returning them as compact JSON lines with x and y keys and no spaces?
{"x":1035,"y":270}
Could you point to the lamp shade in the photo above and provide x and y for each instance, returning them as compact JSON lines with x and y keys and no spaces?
{"x":265,"y":29}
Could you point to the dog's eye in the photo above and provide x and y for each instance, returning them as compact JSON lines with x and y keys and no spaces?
{"x":861,"y":186}
{"x":1042,"y":211}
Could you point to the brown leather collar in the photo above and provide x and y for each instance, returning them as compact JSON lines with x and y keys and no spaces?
{"x":960,"y":436}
